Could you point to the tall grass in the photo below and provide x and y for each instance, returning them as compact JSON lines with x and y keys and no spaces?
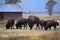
{"x":40,"y":37}
{"x":29,"y":35}
{"x":2,"y":24}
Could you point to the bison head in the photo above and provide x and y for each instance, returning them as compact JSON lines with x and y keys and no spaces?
{"x":56,"y":23}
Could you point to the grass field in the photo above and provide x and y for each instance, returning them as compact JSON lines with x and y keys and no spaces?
{"x":29,"y":35}
{"x":18,"y":34}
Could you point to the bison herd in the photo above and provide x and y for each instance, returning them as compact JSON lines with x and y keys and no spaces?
{"x":31,"y":21}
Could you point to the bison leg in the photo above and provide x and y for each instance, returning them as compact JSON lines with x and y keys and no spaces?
{"x":37,"y":26}
{"x":20,"y":26}
{"x":31,"y":26}
{"x":41,"y":27}
{"x":50,"y":28}
{"x":16,"y":26}
{"x":45,"y":28}
{"x":25,"y":26}
{"x":55,"y":27}
{"x":11,"y":26}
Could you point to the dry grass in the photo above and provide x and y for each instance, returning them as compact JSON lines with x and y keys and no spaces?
{"x":29,"y":35}
{"x":2,"y":24}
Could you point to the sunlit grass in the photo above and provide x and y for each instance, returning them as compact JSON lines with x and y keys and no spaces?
{"x":3,"y":23}
{"x":29,"y":35}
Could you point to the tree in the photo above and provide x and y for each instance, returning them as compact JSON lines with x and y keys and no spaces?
{"x":12,"y":1}
{"x":49,"y":5}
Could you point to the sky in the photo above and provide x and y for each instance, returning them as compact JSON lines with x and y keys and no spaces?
{"x":36,"y":5}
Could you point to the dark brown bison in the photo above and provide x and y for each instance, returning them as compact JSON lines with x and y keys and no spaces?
{"x":21,"y":22}
{"x":51,"y":24}
{"x":10,"y":24}
{"x":33,"y":20}
{"x":42,"y":23}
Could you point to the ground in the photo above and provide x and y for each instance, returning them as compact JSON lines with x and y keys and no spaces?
{"x":18,"y":34}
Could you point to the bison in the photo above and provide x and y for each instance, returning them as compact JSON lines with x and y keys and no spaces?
{"x":10,"y":24}
{"x":51,"y":24}
{"x":42,"y":23}
{"x":21,"y":22}
{"x":33,"y":20}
